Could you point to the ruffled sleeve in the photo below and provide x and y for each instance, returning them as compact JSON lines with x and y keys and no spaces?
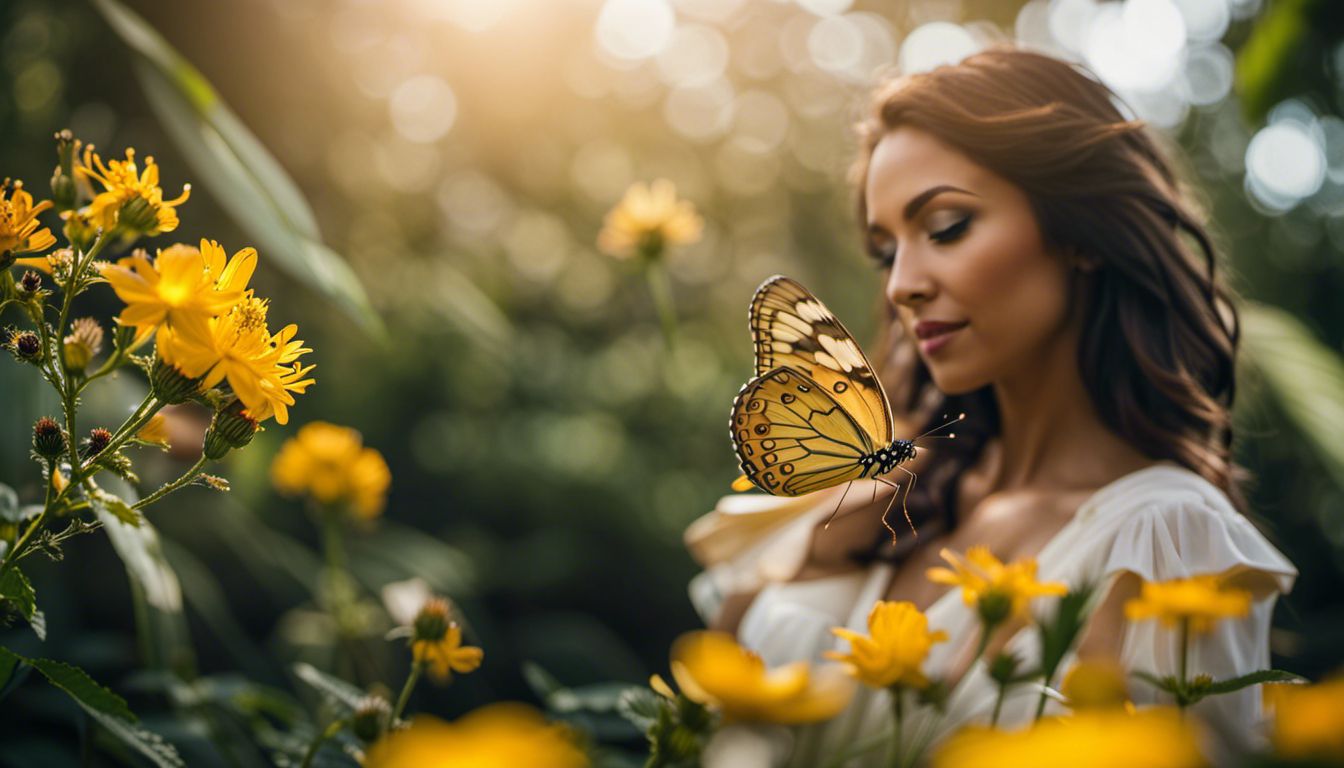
{"x":1182,"y":529}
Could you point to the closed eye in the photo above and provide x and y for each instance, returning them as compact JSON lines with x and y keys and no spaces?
{"x":953,"y":232}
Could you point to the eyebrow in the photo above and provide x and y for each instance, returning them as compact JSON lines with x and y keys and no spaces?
{"x":918,"y":201}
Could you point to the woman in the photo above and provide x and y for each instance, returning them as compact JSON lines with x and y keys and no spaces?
{"x":1047,"y":275}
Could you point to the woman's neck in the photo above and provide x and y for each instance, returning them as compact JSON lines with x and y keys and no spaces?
{"x":1050,"y":432}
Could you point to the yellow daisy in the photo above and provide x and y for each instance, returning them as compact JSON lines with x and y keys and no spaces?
{"x":500,"y":735}
{"x":331,"y":464}
{"x":712,"y":669}
{"x":436,"y":642}
{"x":995,"y":589}
{"x":20,"y":231}
{"x":1199,"y":600}
{"x":647,"y":220}
{"x":894,"y":650}
{"x":130,"y":198}
{"x":178,"y":287}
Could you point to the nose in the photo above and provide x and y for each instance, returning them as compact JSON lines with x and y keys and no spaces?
{"x":908,"y":285}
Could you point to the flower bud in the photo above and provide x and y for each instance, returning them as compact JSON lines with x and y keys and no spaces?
{"x":171,"y":385}
{"x":48,"y":439}
{"x":30,"y":283}
{"x":80,"y":231}
{"x":97,"y":441}
{"x":371,"y":718}
{"x":231,"y":428}
{"x":64,"y":193}
{"x":1003,"y":667}
{"x":27,"y":346}
{"x":432,"y":622}
{"x":84,"y":341}
{"x":994,"y":607}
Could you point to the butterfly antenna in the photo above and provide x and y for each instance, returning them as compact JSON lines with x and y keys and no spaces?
{"x":929,"y":434}
{"x":838,"y":505}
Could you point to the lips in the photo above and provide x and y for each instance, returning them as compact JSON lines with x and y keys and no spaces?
{"x":928,"y":329}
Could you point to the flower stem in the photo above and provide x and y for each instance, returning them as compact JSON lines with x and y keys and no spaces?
{"x":125,"y":432}
{"x":661,"y":291}
{"x":898,"y":712}
{"x":1185,"y":653}
{"x":168,"y":488}
{"x":998,"y":705}
{"x":321,"y":738}
{"x":406,"y":690}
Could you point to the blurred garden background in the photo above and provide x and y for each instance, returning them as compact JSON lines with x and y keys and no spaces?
{"x":547,"y":446}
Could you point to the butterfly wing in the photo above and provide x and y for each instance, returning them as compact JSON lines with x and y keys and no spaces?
{"x":792,"y":437}
{"x":792,"y":328}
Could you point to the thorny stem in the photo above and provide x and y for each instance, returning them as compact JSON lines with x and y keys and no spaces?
{"x":168,"y":488}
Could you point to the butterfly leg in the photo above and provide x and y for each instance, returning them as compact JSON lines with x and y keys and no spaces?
{"x":908,"y":489}
{"x":896,"y":489}
{"x":838,"y":505}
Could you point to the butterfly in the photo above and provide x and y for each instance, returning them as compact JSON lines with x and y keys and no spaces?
{"x":815,"y":415}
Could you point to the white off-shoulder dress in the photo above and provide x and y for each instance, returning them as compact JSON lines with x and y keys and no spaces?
{"x":1162,"y":522}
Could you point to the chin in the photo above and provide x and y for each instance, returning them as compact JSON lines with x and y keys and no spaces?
{"x":952,"y":379}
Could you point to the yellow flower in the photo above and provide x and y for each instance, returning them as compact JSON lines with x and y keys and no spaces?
{"x":20,"y":231}
{"x":898,"y":641}
{"x":1308,"y":719}
{"x":995,"y":589}
{"x":155,"y":430}
{"x":331,"y":464}
{"x":1200,"y":600}
{"x":647,"y":220}
{"x":447,"y":655}
{"x":500,"y":735}
{"x":182,"y":286}
{"x":131,"y":198}
{"x":436,"y":642}
{"x":238,"y":348}
{"x":1111,"y":738}
{"x":714,"y":670}
{"x":1095,"y":684}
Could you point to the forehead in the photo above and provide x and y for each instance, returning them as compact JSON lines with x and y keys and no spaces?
{"x":909,"y":160}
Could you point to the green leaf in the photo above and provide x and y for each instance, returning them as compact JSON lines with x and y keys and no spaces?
{"x":105,"y":502}
{"x":141,"y":553}
{"x":1304,"y":376}
{"x":1169,"y":684}
{"x":75,"y":682}
{"x":15,"y":588}
{"x":1253,"y":678}
{"x":9,"y":504}
{"x":1059,"y":633}
{"x":244,"y":178}
{"x":151,"y":745}
{"x":343,"y":694}
{"x":640,"y":706}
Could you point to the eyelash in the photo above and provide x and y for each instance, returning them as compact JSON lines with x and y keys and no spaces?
{"x":885,"y":259}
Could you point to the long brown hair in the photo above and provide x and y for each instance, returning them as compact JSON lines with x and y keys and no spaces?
{"x":1159,"y":333}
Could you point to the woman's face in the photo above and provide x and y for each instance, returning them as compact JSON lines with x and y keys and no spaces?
{"x":967,"y":270}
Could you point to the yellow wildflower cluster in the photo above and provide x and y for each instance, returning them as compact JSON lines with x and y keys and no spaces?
{"x":330,"y":463}
{"x":648,"y":219}
{"x":713,"y":670}
{"x":894,"y":650}
{"x":210,"y":326}
{"x":20,"y":231}
{"x":503,"y":735}
{"x":996,"y":590}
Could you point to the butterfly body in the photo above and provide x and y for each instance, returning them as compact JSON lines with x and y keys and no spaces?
{"x":815,"y":415}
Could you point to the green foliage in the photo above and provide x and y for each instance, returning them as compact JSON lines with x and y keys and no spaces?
{"x":236,"y":167}
{"x":343,"y":695}
{"x":103,"y":705}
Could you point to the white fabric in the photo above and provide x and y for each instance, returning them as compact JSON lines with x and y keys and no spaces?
{"x":1162,"y":522}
